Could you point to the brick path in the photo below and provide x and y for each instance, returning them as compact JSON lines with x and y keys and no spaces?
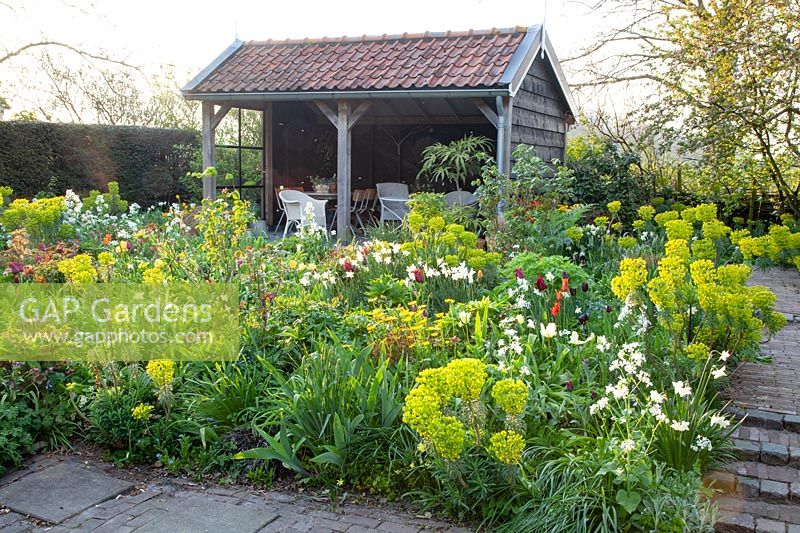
{"x":175,"y":505}
{"x":760,"y":492}
{"x":776,"y":386}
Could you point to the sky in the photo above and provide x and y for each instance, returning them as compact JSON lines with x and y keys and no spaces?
{"x":187,"y":35}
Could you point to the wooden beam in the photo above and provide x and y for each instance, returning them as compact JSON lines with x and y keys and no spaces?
{"x":358,"y":113}
{"x":219,"y":115}
{"x":487,"y":111}
{"x":328,"y":112}
{"x":209,"y":150}
{"x":416,"y":120}
{"x":267,"y":164}
{"x":420,"y":108}
{"x":343,"y":154}
{"x":451,"y":106}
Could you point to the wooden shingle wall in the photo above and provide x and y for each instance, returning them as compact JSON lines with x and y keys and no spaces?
{"x":539,"y":111}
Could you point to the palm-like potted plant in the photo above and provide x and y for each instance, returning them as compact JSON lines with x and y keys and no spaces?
{"x":456,"y":162}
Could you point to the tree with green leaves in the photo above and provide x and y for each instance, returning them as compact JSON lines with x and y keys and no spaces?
{"x":725,"y":74}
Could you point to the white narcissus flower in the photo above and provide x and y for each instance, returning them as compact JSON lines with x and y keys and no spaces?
{"x":602,"y":343}
{"x":549,"y":331}
{"x":601,"y":404}
{"x":724,"y":356}
{"x":718,"y":372}
{"x":721,"y":421}
{"x":463,"y":316}
{"x":657,"y":397}
{"x":679,"y":425}
{"x":682,"y":389}
{"x":574,"y":338}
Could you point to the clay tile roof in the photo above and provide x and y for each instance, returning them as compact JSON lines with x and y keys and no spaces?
{"x":453,"y":59}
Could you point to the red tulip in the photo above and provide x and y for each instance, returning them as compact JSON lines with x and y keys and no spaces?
{"x":540,"y":284}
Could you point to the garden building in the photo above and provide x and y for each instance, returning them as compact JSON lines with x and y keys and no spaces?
{"x":362,"y":109}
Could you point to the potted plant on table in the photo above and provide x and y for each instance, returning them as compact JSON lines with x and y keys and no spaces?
{"x":319,"y":184}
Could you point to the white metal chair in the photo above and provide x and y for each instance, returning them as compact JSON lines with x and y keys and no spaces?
{"x":363,"y":203}
{"x":295,"y":203}
{"x":464,"y":198}
{"x":393,"y":198}
{"x":279,"y":203}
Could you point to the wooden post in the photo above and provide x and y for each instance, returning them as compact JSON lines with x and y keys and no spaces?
{"x":504,"y":108}
{"x":343,"y":154}
{"x":343,"y":120}
{"x":268,"y":164}
{"x":209,"y":150}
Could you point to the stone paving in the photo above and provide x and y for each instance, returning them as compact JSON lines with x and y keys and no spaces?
{"x":776,"y":386}
{"x":760,"y":492}
{"x":68,"y":493}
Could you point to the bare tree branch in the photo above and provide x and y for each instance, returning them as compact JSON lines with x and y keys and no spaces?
{"x":57,"y":44}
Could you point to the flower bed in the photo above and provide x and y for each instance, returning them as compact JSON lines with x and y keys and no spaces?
{"x":564,"y":383}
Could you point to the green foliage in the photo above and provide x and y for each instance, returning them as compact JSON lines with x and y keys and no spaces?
{"x":16,"y":428}
{"x":145,"y":161}
{"x":40,"y":218}
{"x":111,"y":201}
{"x":603,"y":173}
{"x":457,"y":163}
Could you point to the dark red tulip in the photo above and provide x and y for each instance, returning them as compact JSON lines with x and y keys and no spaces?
{"x":540,"y":284}
{"x":519,"y":273}
{"x":583,"y":319}
{"x":418,"y":276}
{"x":585,"y":287}
{"x":569,"y":386}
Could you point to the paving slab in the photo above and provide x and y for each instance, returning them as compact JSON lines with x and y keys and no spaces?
{"x":194,"y":513}
{"x":60,"y":491}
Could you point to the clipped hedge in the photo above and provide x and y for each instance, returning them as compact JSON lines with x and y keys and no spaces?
{"x":47,"y":157}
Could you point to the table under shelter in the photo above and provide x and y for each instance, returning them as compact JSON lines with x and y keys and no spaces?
{"x":364,"y":108}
